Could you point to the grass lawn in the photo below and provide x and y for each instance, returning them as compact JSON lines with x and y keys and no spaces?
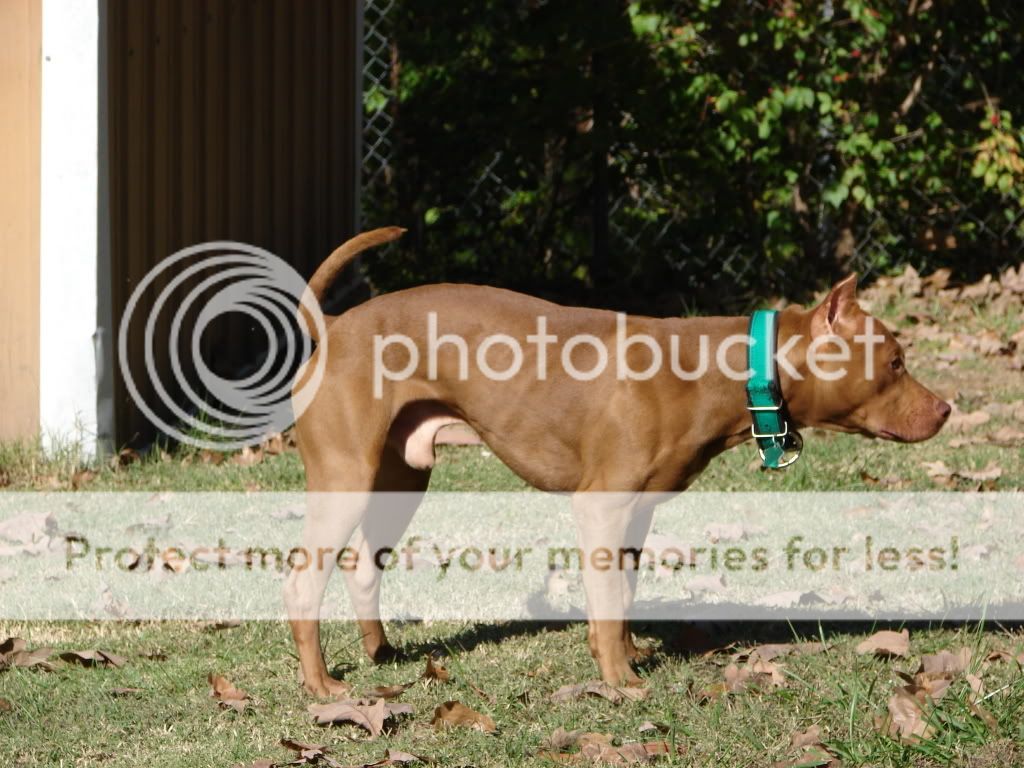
{"x":76,"y":716}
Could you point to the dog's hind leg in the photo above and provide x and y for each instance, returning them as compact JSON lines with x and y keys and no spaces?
{"x":335,"y":505}
{"x":398,"y":489}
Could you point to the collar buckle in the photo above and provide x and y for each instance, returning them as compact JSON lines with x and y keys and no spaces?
{"x":776,"y":443}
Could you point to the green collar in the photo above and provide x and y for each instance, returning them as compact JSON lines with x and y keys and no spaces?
{"x":778,"y":445}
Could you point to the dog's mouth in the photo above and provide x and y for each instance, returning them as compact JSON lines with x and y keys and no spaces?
{"x":886,"y":434}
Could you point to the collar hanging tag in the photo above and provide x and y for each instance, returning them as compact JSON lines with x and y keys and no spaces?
{"x":778,"y":445}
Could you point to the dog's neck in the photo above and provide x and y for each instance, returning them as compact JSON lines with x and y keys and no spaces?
{"x":730,"y":423}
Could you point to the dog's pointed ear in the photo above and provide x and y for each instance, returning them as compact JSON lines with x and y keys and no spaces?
{"x":838,"y":311}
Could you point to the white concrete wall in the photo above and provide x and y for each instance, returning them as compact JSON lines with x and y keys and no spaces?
{"x":69,"y":215}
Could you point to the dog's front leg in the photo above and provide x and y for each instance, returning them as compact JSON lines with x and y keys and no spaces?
{"x":636,"y":535}
{"x":330,"y":520}
{"x":602,"y":521}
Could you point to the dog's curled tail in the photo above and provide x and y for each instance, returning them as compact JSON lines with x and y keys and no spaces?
{"x":328,"y":272}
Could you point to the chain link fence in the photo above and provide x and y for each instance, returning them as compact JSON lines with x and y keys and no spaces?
{"x":644,"y":221}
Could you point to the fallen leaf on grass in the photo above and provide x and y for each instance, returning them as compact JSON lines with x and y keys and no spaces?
{"x":6,"y":706}
{"x":155,"y":524}
{"x":945,"y":663}
{"x":309,"y":754}
{"x":770,"y":651}
{"x":31,"y":532}
{"x":992,"y":471}
{"x":888,"y":481}
{"x":716,"y":532}
{"x":455,"y":713}
{"x":906,"y":720}
{"x":814,"y":756}
{"x":961,"y":421}
{"x":736,"y":679}
{"x":612,"y":693}
{"x":436,"y":671}
{"x":909,"y":709}
{"x":940,"y":473}
{"x":1001,"y":655}
{"x":886,"y":644}
{"x":226,"y":694}
{"x":94,"y":658}
{"x":806,"y":738}
{"x":599,"y":748}
{"x":82,"y":478}
{"x":274,"y":444}
{"x":390,"y":691}
{"x":14,"y":653}
{"x":369,"y":715}
{"x":248,"y":457}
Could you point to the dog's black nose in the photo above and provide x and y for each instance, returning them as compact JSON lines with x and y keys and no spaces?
{"x":943,"y":408}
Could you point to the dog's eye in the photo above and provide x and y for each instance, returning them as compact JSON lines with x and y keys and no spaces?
{"x":896,"y":364}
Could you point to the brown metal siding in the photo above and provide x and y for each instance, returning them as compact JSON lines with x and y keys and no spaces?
{"x":20,"y":98}
{"x":229,"y":120}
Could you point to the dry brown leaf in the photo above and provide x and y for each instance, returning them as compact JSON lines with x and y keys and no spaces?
{"x":455,"y":713}
{"x":369,"y":715}
{"x":906,"y":720}
{"x":716,"y":532}
{"x":770,"y":651}
{"x":6,"y":706}
{"x":307,"y":753}
{"x":805,"y":738}
{"x":273,"y":445}
{"x":992,"y":471}
{"x":436,"y":671}
{"x":985,"y":716}
{"x":598,"y":748}
{"x":81,"y":478}
{"x":248,"y":457}
{"x":14,"y":653}
{"x":612,"y":693}
{"x":1004,"y":436}
{"x":813,"y":756}
{"x":94,"y":658}
{"x":959,"y":421}
{"x":226,"y":694}
{"x":886,"y":644}
{"x":390,"y":691}
{"x":206,"y":456}
{"x":945,"y":663}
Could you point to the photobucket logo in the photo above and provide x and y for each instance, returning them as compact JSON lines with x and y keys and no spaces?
{"x":585,"y":356}
{"x":195,"y":286}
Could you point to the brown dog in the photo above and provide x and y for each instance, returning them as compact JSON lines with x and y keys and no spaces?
{"x":577,"y":428}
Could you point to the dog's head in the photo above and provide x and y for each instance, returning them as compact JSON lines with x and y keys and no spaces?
{"x":858,"y":379}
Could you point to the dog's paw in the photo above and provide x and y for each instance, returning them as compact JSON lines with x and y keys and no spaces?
{"x":327,"y":688}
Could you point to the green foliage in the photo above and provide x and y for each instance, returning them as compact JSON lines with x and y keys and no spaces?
{"x":800,"y":143}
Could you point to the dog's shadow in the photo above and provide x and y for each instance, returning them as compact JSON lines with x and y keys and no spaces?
{"x":675,"y":640}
